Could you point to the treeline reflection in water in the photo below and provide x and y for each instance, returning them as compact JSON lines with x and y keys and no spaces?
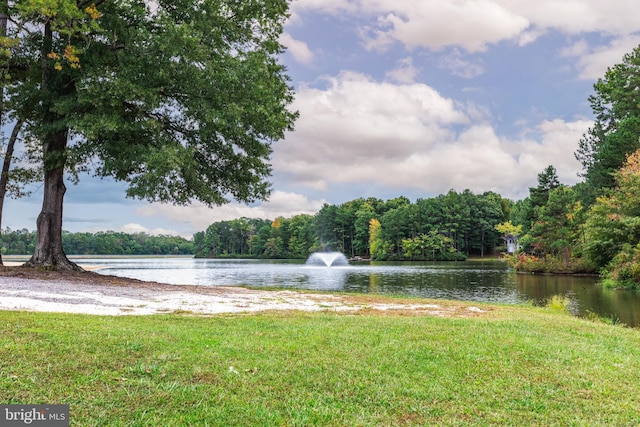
{"x":586,"y":294}
{"x":483,"y":281}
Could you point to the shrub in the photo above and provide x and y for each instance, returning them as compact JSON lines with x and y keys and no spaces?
{"x":550,"y":264}
{"x":559,"y":303}
{"x":624,"y":270}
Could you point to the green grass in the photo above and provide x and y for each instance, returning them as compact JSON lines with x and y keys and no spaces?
{"x":516,"y":366}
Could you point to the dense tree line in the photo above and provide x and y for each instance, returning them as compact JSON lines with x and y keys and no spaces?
{"x":593,"y":226}
{"x":21,"y":242}
{"x":448,"y":227}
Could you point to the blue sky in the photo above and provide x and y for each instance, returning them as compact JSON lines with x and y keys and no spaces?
{"x":407,"y":98}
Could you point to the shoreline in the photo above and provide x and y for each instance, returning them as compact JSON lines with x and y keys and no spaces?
{"x":21,"y":263}
{"x":26,"y":289}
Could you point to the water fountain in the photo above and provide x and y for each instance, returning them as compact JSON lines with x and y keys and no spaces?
{"x":327,"y":259}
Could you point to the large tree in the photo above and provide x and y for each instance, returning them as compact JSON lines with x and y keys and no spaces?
{"x":179,"y":99}
{"x":616,"y":131}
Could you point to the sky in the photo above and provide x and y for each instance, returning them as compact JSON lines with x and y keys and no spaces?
{"x":406,"y":98}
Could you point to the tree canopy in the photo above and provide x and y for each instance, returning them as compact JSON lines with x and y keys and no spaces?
{"x":181,"y":100}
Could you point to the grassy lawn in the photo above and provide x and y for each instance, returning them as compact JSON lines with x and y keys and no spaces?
{"x":517,"y":366}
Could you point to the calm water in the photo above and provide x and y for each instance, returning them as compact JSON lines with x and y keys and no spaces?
{"x":487,"y":281}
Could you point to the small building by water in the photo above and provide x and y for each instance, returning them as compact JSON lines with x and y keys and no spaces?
{"x":512,"y":243}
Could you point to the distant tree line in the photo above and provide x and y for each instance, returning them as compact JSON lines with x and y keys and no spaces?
{"x":21,"y":242}
{"x":448,"y":227}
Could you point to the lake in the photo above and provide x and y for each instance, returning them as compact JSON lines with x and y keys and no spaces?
{"x":483,"y":281}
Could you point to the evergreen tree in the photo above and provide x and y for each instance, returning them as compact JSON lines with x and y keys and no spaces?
{"x":558,"y":224}
{"x":547,"y":181}
{"x":539,"y":195}
{"x":616,"y":131}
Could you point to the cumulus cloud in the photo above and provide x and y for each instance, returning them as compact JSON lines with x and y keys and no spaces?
{"x":435,"y":24}
{"x":475,"y":25}
{"x":551,"y":142}
{"x":356,"y":119}
{"x":405,"y":71}
{"x":199,"y":216}
{"x":576,"y":17}
{"x":530,"y":35}
{"x":298,"y":49}
{"x":357,"y":130}
{"x":592,"y":62}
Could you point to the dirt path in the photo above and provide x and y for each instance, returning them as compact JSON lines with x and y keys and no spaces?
{"x":92,"y":293}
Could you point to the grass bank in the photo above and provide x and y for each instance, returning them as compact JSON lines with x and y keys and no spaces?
{"x":518,"y":366}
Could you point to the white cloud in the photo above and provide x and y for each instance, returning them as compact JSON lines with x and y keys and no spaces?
{"x":592,"y":63}
{"x":405,"y":71}
{"x":357,"y":123}
{"x":578,"y":16}
{"x":473,"y":25}
{"x":461,"y":67}
{"x":552,"y":142}
{"x":530,"y":35}
{"x":360,"y":131}
{"x":199,"y":216}
{"x":474,"y":160}
{"x":579,"y":48}
{"x":436,"y":24}
{"x":298,"y":49}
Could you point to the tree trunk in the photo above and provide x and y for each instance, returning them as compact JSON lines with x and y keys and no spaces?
{"x":6,"y":165}
{"x":567,"y":257}
{"x":48,"y":253}
{"x":4,"y":5}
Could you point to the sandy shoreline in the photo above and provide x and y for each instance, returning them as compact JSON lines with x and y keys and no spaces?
{"x":91,"y":293}
{"x":70,"y":297}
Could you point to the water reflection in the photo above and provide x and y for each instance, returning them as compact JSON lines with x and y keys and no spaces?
{"x":472,"y":282}
{"x":586,"y":294}
{"x":489,"y":281}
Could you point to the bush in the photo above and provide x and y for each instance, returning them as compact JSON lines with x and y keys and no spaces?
{"x":550,"y":264}
{"x":624,"y":270}
{"x":559,"y":303}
